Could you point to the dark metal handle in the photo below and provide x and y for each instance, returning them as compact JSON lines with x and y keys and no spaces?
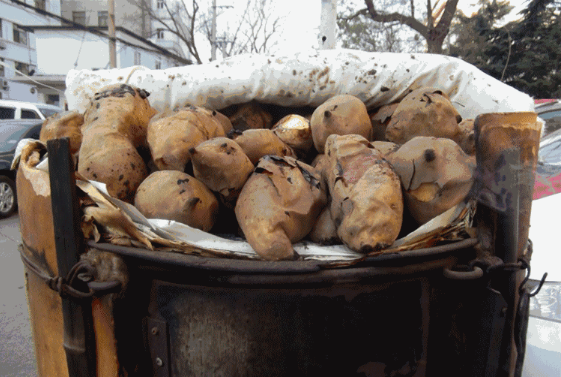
{"x":473,"y":274}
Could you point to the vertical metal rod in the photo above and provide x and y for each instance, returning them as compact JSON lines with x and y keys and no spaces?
{"x":111,"y":33}
{"x":213,"y":32}
{"x":69,"y":242}
{"x":506,"y":244}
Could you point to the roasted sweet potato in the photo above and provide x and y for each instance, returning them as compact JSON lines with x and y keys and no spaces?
{"x":115,"y":125}
{"x":341,"y":115}
{"x":222,"y":119}
{"x":66,"y":124}
{"x":278,"y":206}
{"x":384,"y":147}
{"x":424,"y":112}
{"x":324,"y":231}
{"x":123,"y":109}
{"x":467,"y":138}
{"x":170,"y":138}
{"x":294,"y":130}
{"x":380,"y":120}
{"x":348,"y":157}
{"x":174,"y":195}
{"x":373,"y":213}
{"x":222,"y":166}
{"x":436,"y":175}
{"x":261,"y":142}
{"x":251,"y":116}
{"x":366,"y":198}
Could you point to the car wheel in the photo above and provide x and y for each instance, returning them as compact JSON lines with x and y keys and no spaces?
{"x":8,"y":202}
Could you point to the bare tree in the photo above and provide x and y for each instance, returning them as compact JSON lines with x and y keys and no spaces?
{"x":175,"y":17}
{"x":433,"y":26}
{"x":363,"y":33}
{"x":252,"y":32}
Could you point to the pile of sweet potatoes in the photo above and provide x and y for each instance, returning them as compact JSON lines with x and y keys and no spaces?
{"x":336,"y":174}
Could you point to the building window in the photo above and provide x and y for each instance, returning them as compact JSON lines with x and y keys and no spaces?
{"x":160,"y":4}
{"x":137,"y":58}
{"x":22,"y":67}
{"x":158,"y":64}
{"x":160,"y":33}
{"x":2,"y":74}
{"x":53,"y":99}
{"x":20,"y":35}
{"x":102,"y":19}
{"x":79,"y":18}
{"x":1,"y":28}
{"x":41,"y":4}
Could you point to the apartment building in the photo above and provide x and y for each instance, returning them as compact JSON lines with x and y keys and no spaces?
{"x":133,"y":15}
{"x":38,"y":46}
{"x":18,"y":45}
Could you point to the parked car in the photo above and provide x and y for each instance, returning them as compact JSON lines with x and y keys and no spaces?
{"x":550,"y":111}
{"x":26,"y":110}
{"x":11,"y":132}
{"x":543,"y":342}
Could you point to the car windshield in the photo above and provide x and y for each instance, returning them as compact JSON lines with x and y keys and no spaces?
{"x":47,"y":112}
{"x":10,"y":136}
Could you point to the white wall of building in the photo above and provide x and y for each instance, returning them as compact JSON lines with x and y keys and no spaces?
{"x":60,"y":50}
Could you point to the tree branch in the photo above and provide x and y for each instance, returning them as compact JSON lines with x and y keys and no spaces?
{"x":391,"y":17}
{"x":362,"y":12}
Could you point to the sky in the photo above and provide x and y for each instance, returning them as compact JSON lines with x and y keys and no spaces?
{"x":301,"y":20}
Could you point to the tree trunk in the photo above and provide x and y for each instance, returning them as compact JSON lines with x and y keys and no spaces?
{"x":433,"y":34}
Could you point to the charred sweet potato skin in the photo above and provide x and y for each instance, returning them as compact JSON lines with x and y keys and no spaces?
{"x":366,"y":199}
{"x":279,"y":205}
{"x":424,"y":112}
{"x":115,"y":125}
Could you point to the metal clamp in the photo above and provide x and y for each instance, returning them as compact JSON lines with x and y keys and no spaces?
{"x":80,"y":276}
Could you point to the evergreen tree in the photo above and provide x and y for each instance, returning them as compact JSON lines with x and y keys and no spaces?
{"x":469,"y":35}
{"x":524,"y":54}
{"x":533,"y":51}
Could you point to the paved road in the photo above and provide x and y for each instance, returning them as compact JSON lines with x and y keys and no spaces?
{"x":17,"y":354}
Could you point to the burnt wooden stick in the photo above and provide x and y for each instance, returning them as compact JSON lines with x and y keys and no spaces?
{"x":69,"y":244}
{"x":507,"y":147}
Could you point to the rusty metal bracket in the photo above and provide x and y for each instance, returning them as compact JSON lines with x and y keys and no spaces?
{"x":158,"y":343}
{"x":82,"y":273}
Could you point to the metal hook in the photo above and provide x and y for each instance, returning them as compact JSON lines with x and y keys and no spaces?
{"x":537,"y":290}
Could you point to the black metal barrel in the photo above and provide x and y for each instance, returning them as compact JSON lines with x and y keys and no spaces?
{"x":405,"y":314}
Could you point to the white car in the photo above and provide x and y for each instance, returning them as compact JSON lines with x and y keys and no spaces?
{"x":543,"y":339}
{"x":26,"y":110}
